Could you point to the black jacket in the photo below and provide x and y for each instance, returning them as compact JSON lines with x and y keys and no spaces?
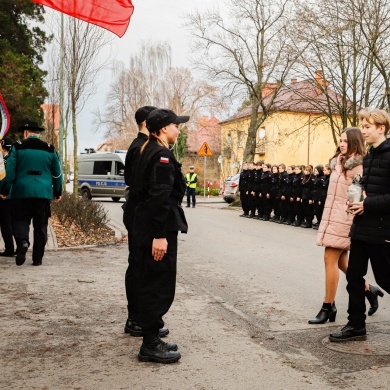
{"x":243,"y":183}
{"x":251,"y":178}
{"x":159,"y":188}
{"x":257,"y":180}
{"x":274,"y":185}
{"x":131,"y":162}
{"x":373,"y":225}
{"x":266,"y":182}
{"x":296,"y":186}
{"x":307,"y":187}
{"x":318,"y":187}
{"x":289,"y":182}
{"x":283,"y":180}
{"x":325,"y":185}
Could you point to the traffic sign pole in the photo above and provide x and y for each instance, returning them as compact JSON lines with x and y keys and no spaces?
{"x":204,"y":178}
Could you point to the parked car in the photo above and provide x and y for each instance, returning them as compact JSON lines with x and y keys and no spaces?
{"x":230,"y":188}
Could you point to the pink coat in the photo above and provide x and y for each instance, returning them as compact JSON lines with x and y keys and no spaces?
{"x":336,"y":223}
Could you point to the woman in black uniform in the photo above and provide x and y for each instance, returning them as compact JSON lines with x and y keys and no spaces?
{"x":160,"y":187}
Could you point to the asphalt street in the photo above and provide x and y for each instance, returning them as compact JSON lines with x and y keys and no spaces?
{"x":268,"y":279}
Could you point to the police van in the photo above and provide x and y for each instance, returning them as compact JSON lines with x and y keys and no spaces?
{"x":101,"y":174}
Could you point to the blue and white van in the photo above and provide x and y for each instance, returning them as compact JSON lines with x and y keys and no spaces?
{"x":101,"y":174}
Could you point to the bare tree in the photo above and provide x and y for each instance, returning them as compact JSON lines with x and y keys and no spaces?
{"x":341,"y":38}
{"x":82,"y":63}
{"x":248,"y":52}
{"x":150,"y":80}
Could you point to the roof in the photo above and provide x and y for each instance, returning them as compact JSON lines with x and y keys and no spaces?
{"x":300,"y":96}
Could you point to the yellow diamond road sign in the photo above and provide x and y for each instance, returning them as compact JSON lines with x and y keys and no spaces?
{"x":205,"y":150}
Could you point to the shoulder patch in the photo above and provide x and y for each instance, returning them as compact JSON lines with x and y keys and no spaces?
{"x":164,"y":160}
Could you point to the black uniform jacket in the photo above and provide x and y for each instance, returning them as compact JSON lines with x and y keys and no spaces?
{"x":159,"y":188}
{"x":317,"y":187}
{"x":296,"y":186}
{"x":243,"y":183}
{"x":132,"y":157}
{"x":283,"y":179}
{"x":373,"y":225}
{"x":275,"y":185}
{"x":307,"y":187}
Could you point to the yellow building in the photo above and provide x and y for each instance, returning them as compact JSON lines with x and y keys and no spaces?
{"x":297,"y":131}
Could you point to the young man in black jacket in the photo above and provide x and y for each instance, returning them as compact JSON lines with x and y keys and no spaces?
{"x":370,"y":231}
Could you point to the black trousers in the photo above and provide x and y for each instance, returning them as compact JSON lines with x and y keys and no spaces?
{"x":157,"y":280}
{"x":131,"y":280}
{"x":360,"y":253}
{"x":6,"y":224}
{"x":283,"y":208}
{"x":244,"y":198}
{"x":191,"y":195}
{"x":308,"y":210}
{"x":252,"y":203}
{"x":25,"y":210}
{"x":318,"y":210}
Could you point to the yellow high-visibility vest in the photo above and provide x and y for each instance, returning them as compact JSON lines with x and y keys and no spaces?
{"x":191,"y":178}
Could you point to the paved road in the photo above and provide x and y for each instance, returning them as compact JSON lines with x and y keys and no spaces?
{"x":269,"y":279}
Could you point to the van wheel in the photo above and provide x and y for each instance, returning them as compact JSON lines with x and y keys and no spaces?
{"x":115,"y":198}
{"x":85,"y":194}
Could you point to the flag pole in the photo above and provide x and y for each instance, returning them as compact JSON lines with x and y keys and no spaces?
{"x":61,"y":132}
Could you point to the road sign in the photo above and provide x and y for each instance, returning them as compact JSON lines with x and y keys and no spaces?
{"x":205,"y":150}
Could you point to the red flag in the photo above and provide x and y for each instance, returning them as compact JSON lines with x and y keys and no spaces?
{"x":113,"y":15}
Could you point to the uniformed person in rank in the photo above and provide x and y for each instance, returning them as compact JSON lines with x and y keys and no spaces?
{"x":160,"y":188}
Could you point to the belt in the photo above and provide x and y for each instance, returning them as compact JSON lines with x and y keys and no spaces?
{"x":34,"y":172}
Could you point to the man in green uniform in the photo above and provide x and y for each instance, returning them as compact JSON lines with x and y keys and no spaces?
{"x":191,"y":180}
{"x":33,"y":178}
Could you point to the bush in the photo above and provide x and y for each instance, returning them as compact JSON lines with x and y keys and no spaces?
{"x":84,"y":213}
{"x":200,"y":190}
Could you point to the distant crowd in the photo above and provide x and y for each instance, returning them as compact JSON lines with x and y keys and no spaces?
{"x":293,"y":195}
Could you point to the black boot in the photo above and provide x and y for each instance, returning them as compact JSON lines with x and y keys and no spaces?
{"x":132,"y":327}
{"x":372,"y":297}
{"x":328,"y":312}
{"x":21,"y":253}
{"x":154,"y":350}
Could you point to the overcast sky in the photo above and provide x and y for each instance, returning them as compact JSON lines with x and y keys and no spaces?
{"x":152,"y":20}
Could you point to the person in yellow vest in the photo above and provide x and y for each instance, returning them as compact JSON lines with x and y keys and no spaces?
{"x":191,"y":180}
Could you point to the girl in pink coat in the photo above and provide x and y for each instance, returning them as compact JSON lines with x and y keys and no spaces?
{"x":333,"y":232}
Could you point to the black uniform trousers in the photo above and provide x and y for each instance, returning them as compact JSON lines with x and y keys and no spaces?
{"x":157,"y":280}
{"x":308,"y":211}
{"x":6,"y":224}
{"x":318,"y":209}
{"x":23,"y":211}
{"x":360,"y":253}
{"x":244,"y":198}
{"x":131,"y":280}
{"x":191,"y":195}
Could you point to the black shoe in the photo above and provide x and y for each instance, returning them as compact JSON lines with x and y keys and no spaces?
{"x":153,"y":350}
{"x":169,"y":346}
{"x":281,"y":221}
{"x":316,"y":226}
{"x":297,"y":223}
{"x":193,"y":206}
{"x":21,"y":253}
{"x":7,"y":253}
{"x":37,"y":263}
{"x":307,"y":225}
{"x":243,"y":215}
{"x":133,"y":328}
{"x":251,"y":215}
{"x":187,"y":206}
{"x":349,"y":333}
{"x":372,"y":297}
{"x":324,"y":315}
{"x":287,"y":222}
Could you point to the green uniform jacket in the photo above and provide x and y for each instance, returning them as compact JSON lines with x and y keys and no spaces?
{"x":33,"y":171}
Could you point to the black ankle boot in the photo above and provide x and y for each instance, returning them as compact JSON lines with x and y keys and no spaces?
{"x":154,"y":350}
{"x":372,"y":298}
{"x":133,"y":328}
{"x":328,"y":312}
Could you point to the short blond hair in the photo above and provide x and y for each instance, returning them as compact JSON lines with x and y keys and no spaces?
{"x":375,"y":116}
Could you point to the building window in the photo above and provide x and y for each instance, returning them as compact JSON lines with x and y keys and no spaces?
{"x":239,"y":139}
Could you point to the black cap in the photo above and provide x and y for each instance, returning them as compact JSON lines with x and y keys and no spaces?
{"x":160,"y":118}
{"x":6,"y":143}
{"x":142,"y":113}
{"x":33,"y":126}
